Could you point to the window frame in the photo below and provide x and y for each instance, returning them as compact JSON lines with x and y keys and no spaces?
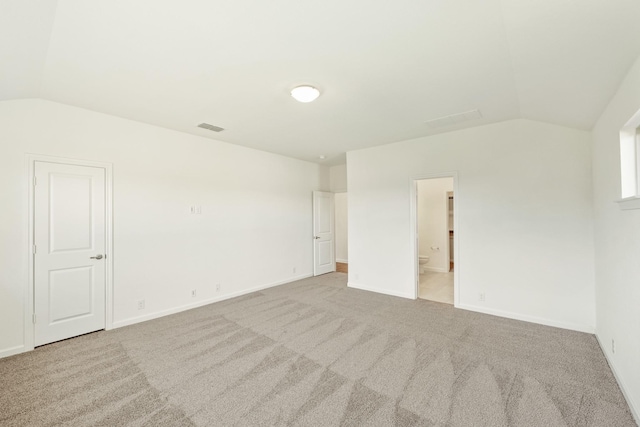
{"x":630,"y":164}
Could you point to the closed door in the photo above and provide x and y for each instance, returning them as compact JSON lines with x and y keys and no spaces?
{"x":69,"y":260}
{"x":323,"y":233}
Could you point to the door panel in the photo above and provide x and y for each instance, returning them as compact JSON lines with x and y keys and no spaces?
{"x":324,"y":253}
{"x":324,"y":219}
{"x":323,"y":233}
{"x":69,"y":294}
{"x":70,"y":213}
{"x":69,"y":229}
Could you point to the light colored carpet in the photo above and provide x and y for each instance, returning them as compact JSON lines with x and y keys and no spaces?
{"x":316,"y":353}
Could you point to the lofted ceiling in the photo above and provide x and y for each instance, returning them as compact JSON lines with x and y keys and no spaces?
{"x":383,"y":68}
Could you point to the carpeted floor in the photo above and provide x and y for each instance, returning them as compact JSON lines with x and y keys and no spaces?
{"x":316,"y":353}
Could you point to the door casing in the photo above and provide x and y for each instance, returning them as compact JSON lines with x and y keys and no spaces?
{"x":29,"y":291}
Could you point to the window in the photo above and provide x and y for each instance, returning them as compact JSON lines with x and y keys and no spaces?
{"x":630,"y":164}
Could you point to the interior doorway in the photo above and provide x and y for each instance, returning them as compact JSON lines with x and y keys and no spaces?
{"x":435,"y":237}
{"x":342,"y":244}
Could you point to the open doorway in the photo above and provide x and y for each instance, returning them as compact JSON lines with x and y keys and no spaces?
{"x":342,"y":253}
{"x":435,"y":235}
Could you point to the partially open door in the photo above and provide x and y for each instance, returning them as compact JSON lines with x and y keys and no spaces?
{"x":324,"y":260}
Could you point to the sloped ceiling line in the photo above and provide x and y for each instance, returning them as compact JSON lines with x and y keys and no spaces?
{"x":384,"y":69}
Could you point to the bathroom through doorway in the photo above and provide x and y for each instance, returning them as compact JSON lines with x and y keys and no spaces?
{"x":435,"y":235}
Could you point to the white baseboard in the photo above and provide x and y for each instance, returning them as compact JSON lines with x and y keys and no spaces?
{"x":526,"y":318}
{"x":435,"y":269}
{"x":344,"y":261}
{"x":12,"y":350}
{"x":174,"y":310}
{"x":634,"y":411}
{"x":380,"y":291}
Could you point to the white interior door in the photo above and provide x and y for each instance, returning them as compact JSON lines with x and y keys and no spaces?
{"x":69,"y":260}
{"x":324,"y":260}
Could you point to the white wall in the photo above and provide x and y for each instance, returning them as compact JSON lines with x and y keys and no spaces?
{"x":338,"y":178}
{"x":254,"y":229}
{"x":617,"y":248}
{"x":338,"y":182}
{"x":341,"y":215}
{"x":525,"y":218}
{"x":25,"y":28}
{"x":433,"y":216}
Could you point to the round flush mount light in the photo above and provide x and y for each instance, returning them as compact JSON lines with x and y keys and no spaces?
{"x":305,"y":93}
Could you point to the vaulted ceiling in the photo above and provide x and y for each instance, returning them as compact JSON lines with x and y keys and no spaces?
{"x":383,"y":68}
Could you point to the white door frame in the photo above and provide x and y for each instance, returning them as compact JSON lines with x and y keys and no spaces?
{"x":448,"y":240}
{"x":413,"y":209}
{"x":29,"y":294}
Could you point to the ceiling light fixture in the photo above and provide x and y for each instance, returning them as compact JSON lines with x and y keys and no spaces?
{"x":305,"y":93}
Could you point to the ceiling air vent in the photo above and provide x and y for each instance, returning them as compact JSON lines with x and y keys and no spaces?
{"x":454,"y":119}
{"x":210,"y":127}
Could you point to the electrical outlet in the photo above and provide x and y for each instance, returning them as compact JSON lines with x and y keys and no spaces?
{"x":193,"y":292}
{"x":192,"y":210}
{"x":218,"y":287}
{"x":613,"y":346}
{"x":481,"y":296}
{"x":141,"y":304}
{"x":198,"y":210}
{"x":294,"y":270}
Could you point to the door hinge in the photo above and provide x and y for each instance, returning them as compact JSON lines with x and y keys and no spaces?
{"x":35,"y":181}
{"x":34,"y":249}
{"x":34,"y":318}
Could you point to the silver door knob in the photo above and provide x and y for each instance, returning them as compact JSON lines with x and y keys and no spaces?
{"x":316,"y":237}
{"x":99,"y":256}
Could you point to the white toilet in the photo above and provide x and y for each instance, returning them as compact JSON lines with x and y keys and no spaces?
{"x":422,"y":261}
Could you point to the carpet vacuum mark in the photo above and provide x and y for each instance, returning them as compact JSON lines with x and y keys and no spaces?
{"x":315,"y":353}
